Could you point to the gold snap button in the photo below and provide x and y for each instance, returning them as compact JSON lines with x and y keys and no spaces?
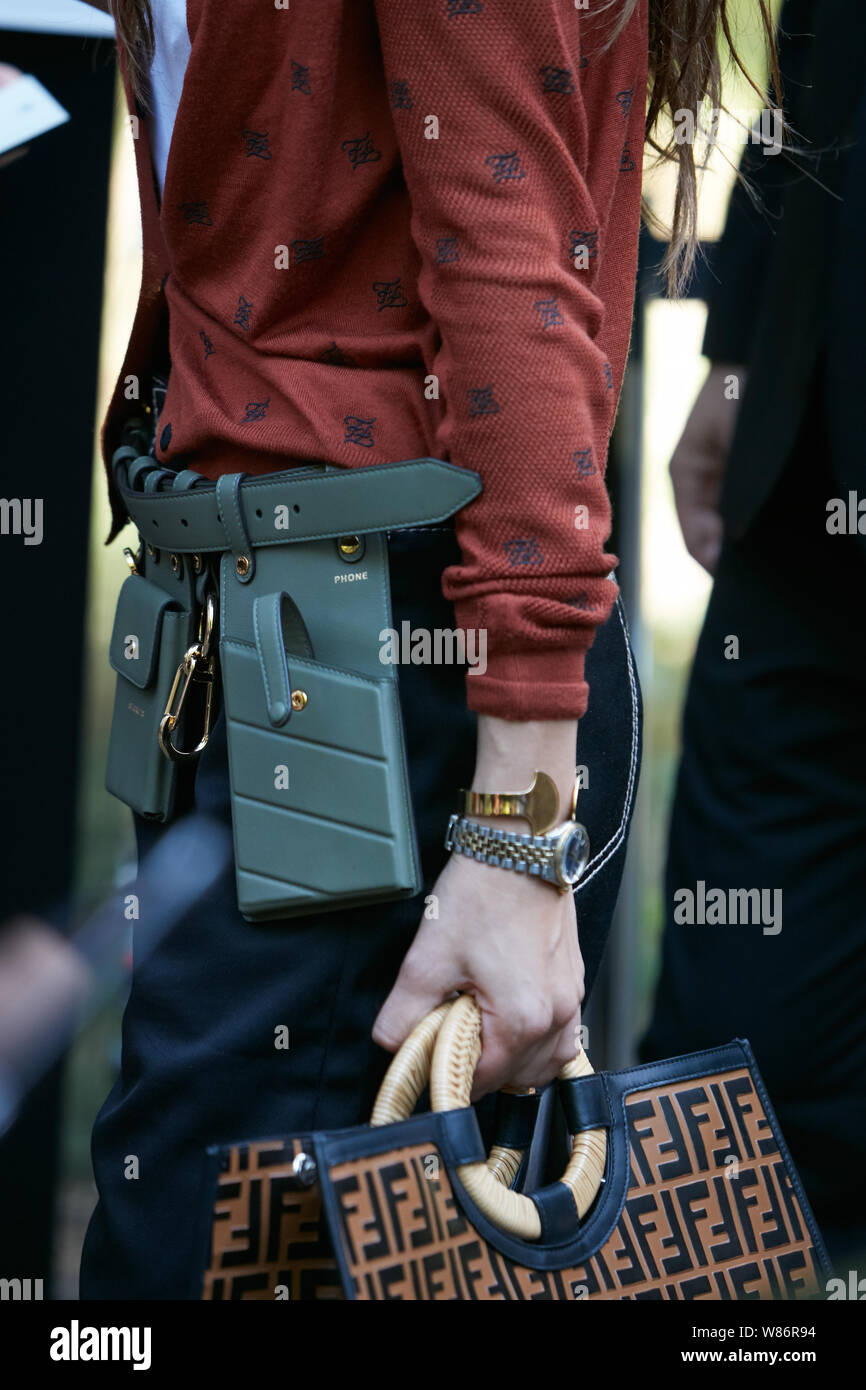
{"x":196,"y":563}
{"x":175,"y":564}
{"x":299,"y":699}
{"x":349,"y":545}
{"x":242,"y":564}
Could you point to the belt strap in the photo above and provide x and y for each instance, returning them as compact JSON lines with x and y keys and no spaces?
{"x":299,"y":504}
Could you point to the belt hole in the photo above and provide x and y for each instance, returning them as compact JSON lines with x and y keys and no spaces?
{"x":296,"y":508}
{"x":183,"y":521}
{"x":258,"y":511}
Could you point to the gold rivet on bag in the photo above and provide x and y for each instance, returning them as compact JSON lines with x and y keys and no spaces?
{"x":242,"y":564}
{"x":349,"y":545}
{"x":299,"y":699}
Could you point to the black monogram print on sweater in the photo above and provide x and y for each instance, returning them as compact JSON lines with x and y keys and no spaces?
{"x":624,"y":99}
{"x":583,"y":459}
{"x":257,"y":144}
{"x":523,"y":552}
{"x":243,"y":311}
{"x":300,"y":78}
{"x":361,"y":150}
{"x":359,"y":430}
{"x":583,"y":241}
{"x":549,"y":311}
{"x":447,"y":250}
{"x":255,"y":410}
{"x":482,"y":401}
{"x":196,"y":212}
{"x":307,"y":250}
{"x":400,"y":97}
{"x":556,"y":80}
{"x":389,"y":294}
{"x":505,"y":167}
{"x":582,"y":602}
{"x":336,"y":357}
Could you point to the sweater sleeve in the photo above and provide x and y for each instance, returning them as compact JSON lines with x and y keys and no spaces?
{"x":497,"y":170}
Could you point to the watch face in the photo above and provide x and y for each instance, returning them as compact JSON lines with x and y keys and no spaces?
{"x":572,"y":854}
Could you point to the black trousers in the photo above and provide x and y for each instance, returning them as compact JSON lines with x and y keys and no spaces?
{"x":772,"y":794}
{"x":199,"y":1064}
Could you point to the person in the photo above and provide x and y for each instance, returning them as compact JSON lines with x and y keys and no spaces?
{"x":769,"y":794}
{"x":377,"y":231}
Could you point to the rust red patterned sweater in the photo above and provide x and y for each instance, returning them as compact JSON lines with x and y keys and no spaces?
{"x":394,"y":228}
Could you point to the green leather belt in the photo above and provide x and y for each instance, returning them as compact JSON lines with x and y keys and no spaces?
{"x":301,"y":504}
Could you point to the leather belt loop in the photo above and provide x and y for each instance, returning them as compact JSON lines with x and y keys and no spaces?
{"x":585,"y":1102}
{"x":516,"y":1115}
{"x":186,"y":479}
{"x":155,"y":477}
{"x":559,"y":1219}
{"x":228,"y":496}
{"x":140,"y":465}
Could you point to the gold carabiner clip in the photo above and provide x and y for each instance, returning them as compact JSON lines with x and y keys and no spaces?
{"x":187,"y":672}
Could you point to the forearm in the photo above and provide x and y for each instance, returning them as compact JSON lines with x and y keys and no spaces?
{"x":511,"y":220}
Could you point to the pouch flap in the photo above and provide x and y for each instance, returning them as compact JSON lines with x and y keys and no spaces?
{"x":279,"y":630}
{"x":137,"y":628}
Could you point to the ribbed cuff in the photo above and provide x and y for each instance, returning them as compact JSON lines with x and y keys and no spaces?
{"x":533,"y":683}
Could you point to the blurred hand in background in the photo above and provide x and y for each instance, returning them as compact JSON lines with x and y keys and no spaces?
{"x":697,"y":467}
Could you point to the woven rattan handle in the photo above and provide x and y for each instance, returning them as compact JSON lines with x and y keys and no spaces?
{"x":409,"y":1071}
{"x":455,"y":1057}
{"x":406,"y":1078}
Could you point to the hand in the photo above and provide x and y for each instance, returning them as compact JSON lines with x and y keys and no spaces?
{"x":697,"y":466}
{"x":511,"y":941}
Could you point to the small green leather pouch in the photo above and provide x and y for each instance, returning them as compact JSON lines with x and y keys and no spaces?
{"x":151,"y":633}
{"x":320,"y":794}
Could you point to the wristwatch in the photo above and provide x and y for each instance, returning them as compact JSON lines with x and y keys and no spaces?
{"x":559,"y":857}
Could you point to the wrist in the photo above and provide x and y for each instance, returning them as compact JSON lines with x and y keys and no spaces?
{"x":509,"y":754}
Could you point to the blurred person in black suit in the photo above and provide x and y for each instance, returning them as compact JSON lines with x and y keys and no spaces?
{"x":771,"y":792}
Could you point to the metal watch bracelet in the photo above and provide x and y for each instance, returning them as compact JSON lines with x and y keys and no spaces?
{"x":538,"y":855}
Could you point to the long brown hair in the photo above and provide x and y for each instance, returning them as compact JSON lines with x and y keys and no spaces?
{"x":685,"y":72}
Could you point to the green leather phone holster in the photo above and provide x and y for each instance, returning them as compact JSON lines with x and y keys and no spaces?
{"x":321,"y":809}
